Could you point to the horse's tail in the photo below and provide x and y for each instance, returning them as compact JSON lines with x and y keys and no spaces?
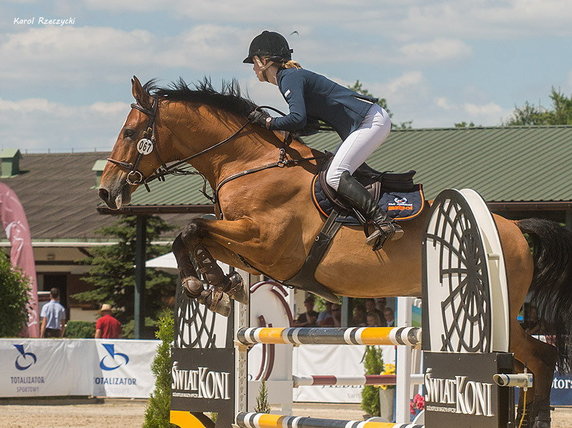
{"x":551,"y":288}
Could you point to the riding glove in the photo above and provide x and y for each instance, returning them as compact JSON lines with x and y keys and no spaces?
{"x":260,"y":118}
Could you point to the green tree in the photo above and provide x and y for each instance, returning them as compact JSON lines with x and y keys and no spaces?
{"x":464,"y":125}
{"x":14,"y":287}
{"x":358,"y":87}
{"x":159,"y":404}
{"x":112,"y":272}
{"x":373,"y":365}
{"x":560,"y":113}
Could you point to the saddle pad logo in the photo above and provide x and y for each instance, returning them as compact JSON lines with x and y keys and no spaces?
{"x":400,"y":204}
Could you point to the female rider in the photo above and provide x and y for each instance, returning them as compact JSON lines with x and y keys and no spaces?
{"x":362,"y":124}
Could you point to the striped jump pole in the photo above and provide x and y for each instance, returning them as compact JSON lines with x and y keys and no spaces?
{"x":322,"y":380}
{"x":410,"y":336}
{"x":263,"y":420}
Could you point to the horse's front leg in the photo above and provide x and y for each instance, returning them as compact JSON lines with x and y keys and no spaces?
{"x":190,"y":243}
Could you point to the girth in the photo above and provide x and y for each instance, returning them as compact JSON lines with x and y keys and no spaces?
{"x":305,"y":279}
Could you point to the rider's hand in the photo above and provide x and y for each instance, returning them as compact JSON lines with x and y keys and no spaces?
{"x":260,"y":118}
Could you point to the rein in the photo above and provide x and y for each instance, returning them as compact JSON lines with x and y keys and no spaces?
{"x":149,"y":144}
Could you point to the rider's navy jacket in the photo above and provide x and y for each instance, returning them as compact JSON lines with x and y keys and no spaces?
{"x":312,"y":95}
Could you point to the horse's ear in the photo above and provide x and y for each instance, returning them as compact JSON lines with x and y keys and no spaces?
{"x":140,"y":95}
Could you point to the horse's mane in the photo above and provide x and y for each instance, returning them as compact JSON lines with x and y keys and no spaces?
{"x":228,"y":99}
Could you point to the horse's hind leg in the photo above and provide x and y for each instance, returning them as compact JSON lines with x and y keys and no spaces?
{"x":540,"y":359}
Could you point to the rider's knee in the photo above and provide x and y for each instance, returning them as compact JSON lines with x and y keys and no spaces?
{"x":333,"y":177}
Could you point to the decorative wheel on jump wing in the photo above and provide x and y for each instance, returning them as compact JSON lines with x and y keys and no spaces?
{"x":456,"y":273}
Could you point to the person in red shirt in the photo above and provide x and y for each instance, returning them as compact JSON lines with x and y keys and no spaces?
{"x":107,"y":327}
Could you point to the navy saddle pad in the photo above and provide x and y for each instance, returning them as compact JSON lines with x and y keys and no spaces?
{"x":399,"y":205}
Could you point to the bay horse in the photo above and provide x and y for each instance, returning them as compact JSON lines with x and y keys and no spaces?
{"x":268,"y":221}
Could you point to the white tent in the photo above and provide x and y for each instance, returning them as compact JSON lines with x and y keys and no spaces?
{"x":166,"y":262}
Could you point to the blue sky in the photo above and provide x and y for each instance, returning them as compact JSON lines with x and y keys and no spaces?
{"x":436,"y":62}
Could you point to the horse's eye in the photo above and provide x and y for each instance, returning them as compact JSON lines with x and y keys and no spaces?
{"x":128,"y":133}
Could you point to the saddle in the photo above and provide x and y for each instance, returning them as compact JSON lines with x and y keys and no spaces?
{"x":396,"y":193}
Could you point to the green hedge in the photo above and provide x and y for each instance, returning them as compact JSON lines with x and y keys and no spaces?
{"x":13,"y":299}
{"x":80,"y":329}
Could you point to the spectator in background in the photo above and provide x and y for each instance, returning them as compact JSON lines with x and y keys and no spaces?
{"x":389,"y":317}
{"x":380,"y":304}
{"x":374,"y":320}
{"x":358,"y":316}
{"x":107,"y":327}
{"x":308,"y":318}
{"x":370,"y":308}
{"x":336,"y":315}
{"x":53,"y":316}
{"x":325,"y":317}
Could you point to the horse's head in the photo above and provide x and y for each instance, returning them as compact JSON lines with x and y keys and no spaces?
{"x":198,"y":126}
{"x":132,"y":159}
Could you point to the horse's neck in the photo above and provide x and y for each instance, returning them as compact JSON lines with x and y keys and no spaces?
{"x":244,"y":151}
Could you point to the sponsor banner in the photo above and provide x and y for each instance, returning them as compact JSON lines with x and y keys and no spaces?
{"x":202,"y":379}
{"x":561,"y":393}
{"x":44,"y":367}
{"x":123,"y":368}
{"x":332,"y":360}
{"x":459,"y":389}
{"x":55,"y":367}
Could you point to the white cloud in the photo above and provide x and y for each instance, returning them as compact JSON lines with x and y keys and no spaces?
{"x":73,"y":54}
{"x":480,"y":110}
{"x":39,"y":124}
{"x":437,"y":50}
{"x":402,"y":20}
{"x":82,"y":55}
{"x":444,"y":103}
{"x":487,"y":113}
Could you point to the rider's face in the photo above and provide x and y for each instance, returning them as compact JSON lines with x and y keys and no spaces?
{"x":258,"y":68}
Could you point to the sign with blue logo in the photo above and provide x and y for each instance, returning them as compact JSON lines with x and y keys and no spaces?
{"x":123,"y":368}
{"x":114,"y":359}
{"x":58,"y":367}
{"x":25,"y":359}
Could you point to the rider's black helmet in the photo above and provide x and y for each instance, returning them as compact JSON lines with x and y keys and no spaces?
{"x":269,"y":44}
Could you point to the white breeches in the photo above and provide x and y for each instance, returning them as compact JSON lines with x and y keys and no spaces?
{"x":359,"y":145}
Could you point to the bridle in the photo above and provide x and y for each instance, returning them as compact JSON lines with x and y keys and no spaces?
{"x":149,"y":144}
{"x":145,"y":146}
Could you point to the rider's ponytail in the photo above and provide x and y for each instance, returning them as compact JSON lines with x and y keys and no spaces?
{"x":291,"y":64}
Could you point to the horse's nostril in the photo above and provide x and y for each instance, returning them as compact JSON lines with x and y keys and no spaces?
{"x":104,"y":194}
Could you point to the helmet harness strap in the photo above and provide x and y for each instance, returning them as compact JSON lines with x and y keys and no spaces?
{"x":262,"y":68}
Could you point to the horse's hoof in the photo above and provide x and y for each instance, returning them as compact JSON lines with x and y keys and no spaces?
{"x":542,"y":419}
{"x":193,"y":287}
{"x":216,"y":301}
{"x":237,"y":290}
{"x":541,"y":422}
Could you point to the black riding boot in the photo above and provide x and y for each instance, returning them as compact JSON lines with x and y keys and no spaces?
{"x":379,"y":227}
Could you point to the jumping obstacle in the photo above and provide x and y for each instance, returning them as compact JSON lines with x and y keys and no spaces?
{"x":257,"y":420}
{"x":322,"y":380}
{"x":410,"y":336}
{"x":465,"y":336}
